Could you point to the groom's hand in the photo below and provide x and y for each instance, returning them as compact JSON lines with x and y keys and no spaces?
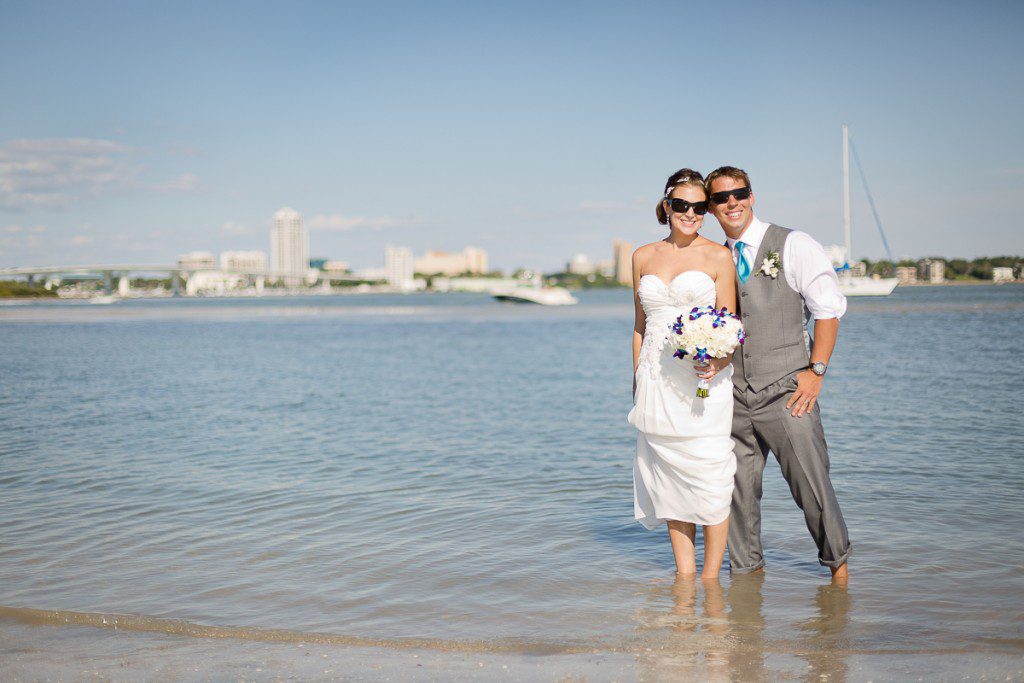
{"x":808,"y":386}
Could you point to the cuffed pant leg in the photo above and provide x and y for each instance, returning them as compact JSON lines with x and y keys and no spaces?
{"x":799,"y":445}
{"x":745,"y":517}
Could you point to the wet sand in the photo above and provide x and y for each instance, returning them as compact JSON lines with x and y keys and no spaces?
{"x":35,"y":653}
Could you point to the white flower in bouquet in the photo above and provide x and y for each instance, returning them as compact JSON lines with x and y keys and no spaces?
{"x":704,"y":333}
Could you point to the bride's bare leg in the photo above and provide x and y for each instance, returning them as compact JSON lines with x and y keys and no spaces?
{"x":714,"y":548}
{"x":682,"y":534}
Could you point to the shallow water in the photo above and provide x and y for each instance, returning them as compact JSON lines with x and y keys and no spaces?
{"x":452,"y":469}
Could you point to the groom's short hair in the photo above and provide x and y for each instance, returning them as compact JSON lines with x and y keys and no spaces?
{"x":737,"y":174}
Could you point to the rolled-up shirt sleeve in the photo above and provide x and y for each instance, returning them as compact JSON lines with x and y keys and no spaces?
{"x":813,"y":276}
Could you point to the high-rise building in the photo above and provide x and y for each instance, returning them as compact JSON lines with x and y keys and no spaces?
{"x":476,"y":260}
{"x":244,"y":261}
{"x":398,"y":266}
{"x":469,"y":260}
{"x":289,"y":247}
{"x":580,"y":265}
{"x":622,"y":254}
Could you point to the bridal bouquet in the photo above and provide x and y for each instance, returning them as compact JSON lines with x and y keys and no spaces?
{"x":706,"y":332}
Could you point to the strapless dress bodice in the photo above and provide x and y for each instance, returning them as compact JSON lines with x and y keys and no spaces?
{"x":663,"y":303}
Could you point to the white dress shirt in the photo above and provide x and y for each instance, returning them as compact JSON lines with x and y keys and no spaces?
{"x":808,"y":269}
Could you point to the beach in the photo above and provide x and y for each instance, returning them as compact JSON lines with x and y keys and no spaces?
{"x":44,"y":652}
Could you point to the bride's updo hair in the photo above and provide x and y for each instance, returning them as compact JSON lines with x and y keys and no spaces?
{"x":684,"y":176}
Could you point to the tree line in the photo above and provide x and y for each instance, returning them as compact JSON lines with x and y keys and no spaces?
{"x":9,"y":288}
{"x":956,"y":268}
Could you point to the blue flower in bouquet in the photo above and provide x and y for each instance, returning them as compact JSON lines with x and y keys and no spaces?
{"x":705,"y":333}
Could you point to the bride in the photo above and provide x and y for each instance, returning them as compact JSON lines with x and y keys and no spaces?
{"x":684,"y":465}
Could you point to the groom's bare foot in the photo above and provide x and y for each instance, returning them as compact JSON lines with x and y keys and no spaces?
{"x":839,"y":574}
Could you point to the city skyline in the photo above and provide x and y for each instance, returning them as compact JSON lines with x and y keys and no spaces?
{"x":289,"y":256}
{"x":424,"y":127}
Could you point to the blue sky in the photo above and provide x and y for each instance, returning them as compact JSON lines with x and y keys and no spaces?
{"x":132,"y":132}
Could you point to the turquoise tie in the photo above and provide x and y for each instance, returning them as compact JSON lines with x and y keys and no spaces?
{"x":742,"y":265}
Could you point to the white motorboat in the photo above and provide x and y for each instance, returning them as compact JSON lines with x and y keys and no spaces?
{"x":545,"y":296}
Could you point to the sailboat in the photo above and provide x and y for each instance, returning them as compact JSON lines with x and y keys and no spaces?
{"x":849,"y":284}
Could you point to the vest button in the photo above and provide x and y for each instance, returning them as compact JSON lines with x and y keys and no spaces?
{"x":743,"y":293}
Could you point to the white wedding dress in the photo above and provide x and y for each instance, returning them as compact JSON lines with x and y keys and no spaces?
{"x":684,"y":462}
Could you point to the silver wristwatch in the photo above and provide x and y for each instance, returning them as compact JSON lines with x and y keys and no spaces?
{"x":818,"y":368}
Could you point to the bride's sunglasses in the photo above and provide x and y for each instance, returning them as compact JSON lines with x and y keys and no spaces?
{"x":740,"y":194}
{"x":682,"y":206}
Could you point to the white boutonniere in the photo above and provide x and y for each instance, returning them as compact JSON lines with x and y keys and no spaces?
{"x":771,"y":265}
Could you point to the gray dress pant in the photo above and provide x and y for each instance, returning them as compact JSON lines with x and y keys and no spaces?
{"x":761,"y":423}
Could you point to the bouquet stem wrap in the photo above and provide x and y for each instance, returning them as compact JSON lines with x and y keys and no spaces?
{"x":702,"y":388}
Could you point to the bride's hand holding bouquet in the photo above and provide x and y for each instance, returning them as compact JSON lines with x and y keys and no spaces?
{"x":708,"y":336}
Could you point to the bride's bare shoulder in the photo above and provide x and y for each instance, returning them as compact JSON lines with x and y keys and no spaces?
{"x":643,"y":253}
{"x":716,"y":251}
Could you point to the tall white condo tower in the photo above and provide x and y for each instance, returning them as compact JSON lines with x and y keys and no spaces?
{"x":398,"y":265}
{"x":289,"y":247}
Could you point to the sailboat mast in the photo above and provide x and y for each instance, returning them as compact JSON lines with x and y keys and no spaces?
{"x":846,"y":194}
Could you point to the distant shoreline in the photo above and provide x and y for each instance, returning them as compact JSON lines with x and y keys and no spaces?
{"x":313,"y":294}
{"x":957,"y":283}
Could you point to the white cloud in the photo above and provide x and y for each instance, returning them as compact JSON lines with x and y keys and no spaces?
{"x":230,"y":228}
{"x":337,"y":222}
{"x":186,"y":182}
{"x":22,"y":229}
{"x":81,"y":240}
{"x":56,"y":172}
{"x":19,"y":241}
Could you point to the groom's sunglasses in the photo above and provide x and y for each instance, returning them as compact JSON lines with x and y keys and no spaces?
{"x":682,"y":206}
{"x":739,"y":193}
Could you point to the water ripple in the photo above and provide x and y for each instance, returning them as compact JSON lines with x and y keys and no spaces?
{"x":307,"y":469}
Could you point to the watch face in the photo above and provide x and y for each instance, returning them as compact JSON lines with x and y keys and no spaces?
{"x":818,"y":368}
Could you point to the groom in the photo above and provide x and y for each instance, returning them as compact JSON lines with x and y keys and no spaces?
{"x":781,"y":276}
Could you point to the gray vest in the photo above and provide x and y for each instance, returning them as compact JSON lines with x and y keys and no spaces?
{"x":774,"y":317}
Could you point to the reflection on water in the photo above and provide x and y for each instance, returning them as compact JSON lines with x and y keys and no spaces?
{"x":746,"y":623}
{"x":693,"y":629}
